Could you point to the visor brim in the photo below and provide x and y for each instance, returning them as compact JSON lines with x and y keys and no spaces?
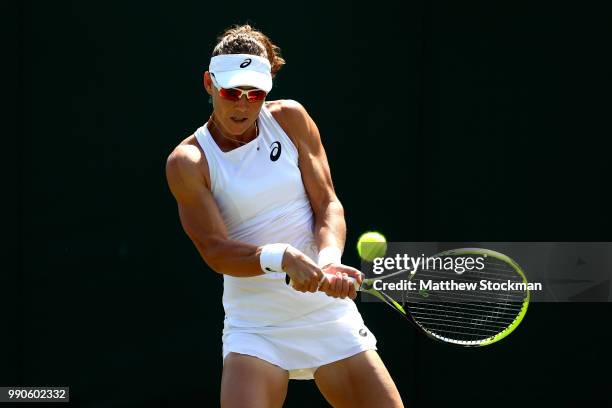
{"x":243,"y":77}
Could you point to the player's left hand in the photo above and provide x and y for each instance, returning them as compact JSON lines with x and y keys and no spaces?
{"x":337,"y":283}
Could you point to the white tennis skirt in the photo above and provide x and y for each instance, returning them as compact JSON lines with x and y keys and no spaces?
{"x":302,"y":345}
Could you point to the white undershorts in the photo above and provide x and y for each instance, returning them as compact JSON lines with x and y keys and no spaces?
{"x":302,"y":345}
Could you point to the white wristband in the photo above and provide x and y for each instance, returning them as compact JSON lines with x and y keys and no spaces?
{"x":328,"y":255}
{"x":271,"y":257}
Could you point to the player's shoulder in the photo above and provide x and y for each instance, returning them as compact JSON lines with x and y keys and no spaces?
{"x":285,"y":105}
{"x":187,"y":157}
{"x":288,"y":111}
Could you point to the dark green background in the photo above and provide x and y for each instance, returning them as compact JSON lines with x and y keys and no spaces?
{"x":442,"y":121}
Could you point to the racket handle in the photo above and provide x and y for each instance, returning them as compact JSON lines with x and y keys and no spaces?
{"x":327,"y":276}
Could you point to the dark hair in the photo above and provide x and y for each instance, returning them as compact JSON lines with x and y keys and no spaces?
{"x":243,"y":39}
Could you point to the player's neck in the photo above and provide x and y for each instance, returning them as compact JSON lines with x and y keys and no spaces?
{"x":227,"y":142}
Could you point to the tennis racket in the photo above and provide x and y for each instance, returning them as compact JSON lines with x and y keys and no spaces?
{"x":493,"y":305}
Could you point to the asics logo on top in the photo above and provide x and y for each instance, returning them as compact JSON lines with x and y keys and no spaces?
{"x":245,"y":63}
{"x":276,"y":151}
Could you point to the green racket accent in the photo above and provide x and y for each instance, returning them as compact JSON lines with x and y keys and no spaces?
{"x":385,"y":298}
{"x":367,"y":286}
{"x":504,"y":258}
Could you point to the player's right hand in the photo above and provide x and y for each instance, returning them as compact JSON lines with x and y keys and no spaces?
{"x":338,"y":283}
{"x":304,"y":273}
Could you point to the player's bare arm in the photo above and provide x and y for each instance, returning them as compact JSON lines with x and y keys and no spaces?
{"x":189,"y":180}
{"x":330,"y":225}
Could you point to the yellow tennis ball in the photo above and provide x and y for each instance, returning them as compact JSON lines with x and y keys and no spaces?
{"x":371,"y":245}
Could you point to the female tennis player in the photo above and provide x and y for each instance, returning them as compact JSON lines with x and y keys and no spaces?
{"x":255,"y":196}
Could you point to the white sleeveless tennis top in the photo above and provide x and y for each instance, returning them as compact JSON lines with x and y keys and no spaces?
{"x":259,"y":191}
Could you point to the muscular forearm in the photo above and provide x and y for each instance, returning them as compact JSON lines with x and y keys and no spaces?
{"x":243,"y":260}
{"x":330,"y":226}
{"x":232,"y":258}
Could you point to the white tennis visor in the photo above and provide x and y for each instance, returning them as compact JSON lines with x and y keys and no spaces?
{"x":235,"y":70}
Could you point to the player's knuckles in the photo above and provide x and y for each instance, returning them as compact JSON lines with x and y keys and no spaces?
{"x":334,"y":285}
{"x":332,"y":294}
{"x":339,"y":285}
{"x":345,"y":288}
{"x":300,"y":287}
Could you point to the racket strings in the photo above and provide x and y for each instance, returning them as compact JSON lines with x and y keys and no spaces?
{"x":466,"y":316}
{"x":463,"y":310}
{"x":463,"y":321}
{"x":464,"y":277}
{"x":462,"y":297}
{"x":464,"y":327}
{"x":495,"y":271}
{"x":487,"y":329}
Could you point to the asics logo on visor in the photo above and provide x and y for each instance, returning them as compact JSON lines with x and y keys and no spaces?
{"x":245,"y":63}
